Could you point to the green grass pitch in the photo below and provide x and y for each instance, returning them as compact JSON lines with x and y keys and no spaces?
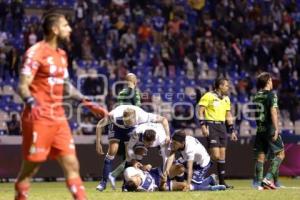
{"x":242,"y":191}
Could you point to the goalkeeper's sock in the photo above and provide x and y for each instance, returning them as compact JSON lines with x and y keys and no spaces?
{"x":118,"y":170}
{"x":21,"y":190}
{"x":76,"y":188}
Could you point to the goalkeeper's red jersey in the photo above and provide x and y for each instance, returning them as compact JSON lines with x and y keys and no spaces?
{"x":48,"y":66}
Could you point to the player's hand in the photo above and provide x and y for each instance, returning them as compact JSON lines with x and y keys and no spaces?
{"x":186,"y":188}
{"x":99,"y":149}
{"x":205,"y":131}
{"x":234,"y":137}
{"x":275,"y":137}
{"x":138,"y":165}
{"x":163,"y":184}
{"x":147,"y":167}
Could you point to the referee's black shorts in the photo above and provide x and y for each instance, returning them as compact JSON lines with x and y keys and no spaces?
{"x":217,"y":136}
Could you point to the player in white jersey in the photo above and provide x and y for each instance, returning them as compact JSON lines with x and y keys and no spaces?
{"x":142,"y":134}
{"x":195,"y":158}
{"x":121,"y":122}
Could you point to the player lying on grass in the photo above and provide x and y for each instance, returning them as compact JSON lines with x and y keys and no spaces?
{"x":195,"y":160}
{"x":145,"y":178}
{"x":145,"y":135}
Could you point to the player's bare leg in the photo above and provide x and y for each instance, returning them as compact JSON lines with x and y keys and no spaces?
{"x":107,"y":168}
{"x":22,"y":185}
{"x":70,"y":166}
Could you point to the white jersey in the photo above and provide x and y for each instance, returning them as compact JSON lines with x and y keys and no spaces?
{"x":116,"y":115}
{"x":148,"y":182}
{"x":195,"y":151}
{"x":160,"y":138}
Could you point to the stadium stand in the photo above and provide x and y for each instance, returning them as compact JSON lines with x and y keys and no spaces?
{"x":171,"y":46}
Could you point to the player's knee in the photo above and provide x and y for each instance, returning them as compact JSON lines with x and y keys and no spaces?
{"x":281,"y":155}
{"x":215,"y":157}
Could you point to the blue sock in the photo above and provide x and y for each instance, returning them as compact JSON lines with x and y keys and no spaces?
{"x":198,"y":187}
{"x":208,"y":181}
{"x":107,"y":168}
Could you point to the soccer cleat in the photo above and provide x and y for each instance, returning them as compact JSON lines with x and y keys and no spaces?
{"x":112,"y":181}
{"x":267,"y":184}
{"x":101,"y":186}
{"x":217,"y":187}
{"x":229,"y":186}
{"x":260,"y":187}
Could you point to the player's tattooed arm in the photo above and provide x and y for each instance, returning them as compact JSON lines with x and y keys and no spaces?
{"x":99,"y":129}
{"x":71,"y":91}
{"x":23,"y":87}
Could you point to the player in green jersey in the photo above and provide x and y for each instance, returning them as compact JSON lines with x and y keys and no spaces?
{"x":268,"y":143}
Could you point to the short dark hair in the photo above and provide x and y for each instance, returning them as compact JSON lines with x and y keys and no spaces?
{"x":262,"y":80}
{"x":131,"y":186}
{"x":179,"y":136}
{"x":219,"y":81}
{"x":149,"y":135}
{"x":49,"y":19}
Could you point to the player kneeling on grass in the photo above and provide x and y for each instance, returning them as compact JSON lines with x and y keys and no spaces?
{"x":195,"y":162}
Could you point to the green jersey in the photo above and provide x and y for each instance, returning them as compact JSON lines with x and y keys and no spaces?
{"x":265,"y":100}
{"x":129,"y":96}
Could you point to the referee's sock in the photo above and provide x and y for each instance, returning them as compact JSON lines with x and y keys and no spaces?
{"x":221,"y":171}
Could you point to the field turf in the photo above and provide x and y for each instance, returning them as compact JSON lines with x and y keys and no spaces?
{"x":242,"y":191}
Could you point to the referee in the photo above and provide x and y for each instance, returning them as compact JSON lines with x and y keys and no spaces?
{"x":131,"y":94}
{"x":216,"y":121}
{"x":128,"y":96}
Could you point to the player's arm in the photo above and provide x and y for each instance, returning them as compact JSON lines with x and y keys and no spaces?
{"x":165,"y":124}
{"x":137,"y":98}
{"x":275,"y":116}
{"x":168,"y":164}
{"x":99,"y":130}
{"x":189,"y":172}
{"x":230,"y":125}
{"x":71,"y":91}
{"x":201,"y":111}
{"x":132,"y":141}
{"x":23,"y":87}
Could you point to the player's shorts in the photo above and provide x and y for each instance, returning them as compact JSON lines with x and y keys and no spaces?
{"x":156,"y":173}
{"x":217,"y":134}
{"x":263,"y":144}
{"x":119,"y":134}
{"x":199,"y":173}
{"x":42,"y":141}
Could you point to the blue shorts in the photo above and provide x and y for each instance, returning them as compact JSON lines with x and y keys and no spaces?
{"x":156,"y":174}
{"x":199,"y":173}
{"x":119,"y":134}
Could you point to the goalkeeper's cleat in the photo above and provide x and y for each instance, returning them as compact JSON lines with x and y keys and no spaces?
{"x":217,"y":187}
{"x":267,"y":184}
